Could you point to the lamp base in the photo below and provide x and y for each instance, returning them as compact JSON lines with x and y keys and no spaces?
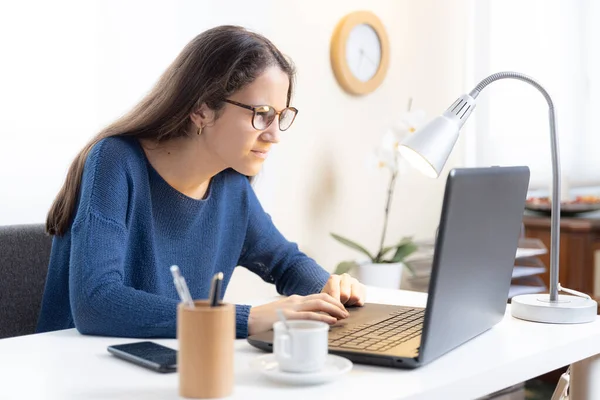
{"x":566,"y":310}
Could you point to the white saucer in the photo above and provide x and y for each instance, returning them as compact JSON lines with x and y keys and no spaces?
{"x":335,"y":366}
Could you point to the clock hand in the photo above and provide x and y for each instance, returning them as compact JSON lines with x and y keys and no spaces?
{"x":362,"y":55}
{"x":367,"y":57}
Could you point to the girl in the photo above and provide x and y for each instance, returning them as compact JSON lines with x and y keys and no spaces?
{"x":167,"y":184}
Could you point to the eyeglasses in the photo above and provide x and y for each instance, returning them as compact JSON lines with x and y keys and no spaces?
{"x":264,"y":116}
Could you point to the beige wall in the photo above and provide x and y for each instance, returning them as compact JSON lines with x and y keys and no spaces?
{"x":78,"y":65}
{"x":317,"y":182}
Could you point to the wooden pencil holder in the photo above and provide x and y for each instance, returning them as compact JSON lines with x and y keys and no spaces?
{"x":206,"y":337}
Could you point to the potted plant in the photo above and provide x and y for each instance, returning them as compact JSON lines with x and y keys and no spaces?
{"x":384,"y":268}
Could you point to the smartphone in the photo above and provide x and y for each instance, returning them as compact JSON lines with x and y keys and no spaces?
{"x":147,"y":354}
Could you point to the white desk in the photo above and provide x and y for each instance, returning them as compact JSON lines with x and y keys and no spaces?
{"x":66,"y":365}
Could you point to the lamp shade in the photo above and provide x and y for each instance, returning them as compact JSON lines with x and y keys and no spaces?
{"x":428,"y":148}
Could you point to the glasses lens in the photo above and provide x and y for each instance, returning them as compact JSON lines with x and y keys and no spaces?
{"x":286,"y":118}
{"x":263,"y":117}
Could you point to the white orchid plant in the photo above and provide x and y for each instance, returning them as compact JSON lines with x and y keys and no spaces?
{"x":387,"y":157}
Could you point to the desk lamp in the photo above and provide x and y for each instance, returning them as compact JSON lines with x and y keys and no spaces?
{"x":428,"y":150}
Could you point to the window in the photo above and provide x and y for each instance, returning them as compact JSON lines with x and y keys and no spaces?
{"x":556,"y":43}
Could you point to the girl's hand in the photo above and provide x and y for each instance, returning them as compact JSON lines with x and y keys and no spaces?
{"x":346,"y":289}
{"x":318,"y":307}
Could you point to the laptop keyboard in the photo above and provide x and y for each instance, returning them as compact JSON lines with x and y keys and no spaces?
{"x":379,"y":336}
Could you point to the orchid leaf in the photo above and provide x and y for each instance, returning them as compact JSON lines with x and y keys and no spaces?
{"x":403,"y":241}
{"x":404,"y":251}
{"x":352,"y":245}
{"x":344,"y":267}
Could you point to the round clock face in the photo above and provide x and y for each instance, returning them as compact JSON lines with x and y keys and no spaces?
{"x":363,"y":52}
{"x":360,"y":52}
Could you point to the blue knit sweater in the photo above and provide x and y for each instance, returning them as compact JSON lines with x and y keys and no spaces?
{"x":109,"y":274}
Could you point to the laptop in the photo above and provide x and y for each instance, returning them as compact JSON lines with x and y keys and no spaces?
{"x":471,"y":273}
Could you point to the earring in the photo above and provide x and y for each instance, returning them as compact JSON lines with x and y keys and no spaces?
{"x":200,"y":131}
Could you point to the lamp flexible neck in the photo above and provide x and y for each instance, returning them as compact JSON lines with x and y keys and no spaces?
{"x":555,"y":216}
{"x":511,"y":75}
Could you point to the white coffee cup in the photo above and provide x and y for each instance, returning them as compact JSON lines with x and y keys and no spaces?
{"x":303,"y":348}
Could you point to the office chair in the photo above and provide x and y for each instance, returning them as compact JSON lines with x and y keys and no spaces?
{"x":24,"y":256}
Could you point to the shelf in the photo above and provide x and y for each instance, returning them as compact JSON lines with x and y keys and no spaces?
{"x":516,"y":290}
{"x":521,"y":272}
{"x":530,"y":247}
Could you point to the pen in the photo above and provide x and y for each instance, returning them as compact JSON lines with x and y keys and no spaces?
{"x":215,"y":289}
{"x":175,"y":273}
{"x":181,"y":286}
{"x":186,"y":291}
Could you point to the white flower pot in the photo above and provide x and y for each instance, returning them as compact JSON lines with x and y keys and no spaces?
{"x":380,"y":275}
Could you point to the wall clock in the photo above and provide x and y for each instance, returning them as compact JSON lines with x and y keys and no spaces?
{"x":360,"y":52}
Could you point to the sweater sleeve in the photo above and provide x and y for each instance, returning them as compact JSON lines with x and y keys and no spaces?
{"x":101,"y":303}
{"x":268,"y":254}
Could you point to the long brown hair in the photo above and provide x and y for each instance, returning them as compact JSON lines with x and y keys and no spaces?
{"x":214,"y":65}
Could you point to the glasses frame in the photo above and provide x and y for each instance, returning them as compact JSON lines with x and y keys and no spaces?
{"x":254,"y":110}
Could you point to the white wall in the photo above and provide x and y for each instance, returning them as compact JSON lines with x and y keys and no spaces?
{"x":554,"y":42}
{"x":69,"y":67}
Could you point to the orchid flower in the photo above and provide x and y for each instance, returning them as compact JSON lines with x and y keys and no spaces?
{"x":386,"y":155}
